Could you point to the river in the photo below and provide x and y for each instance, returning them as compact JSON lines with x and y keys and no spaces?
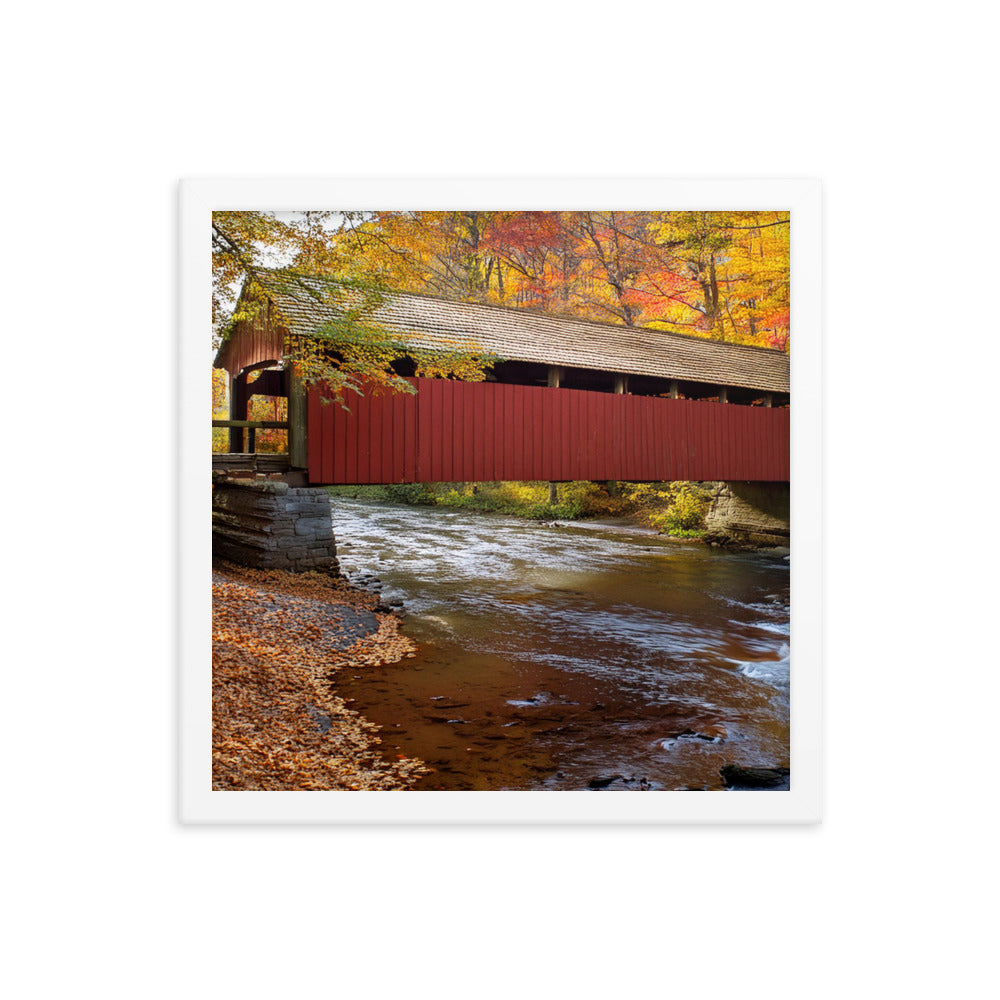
{"x":570,"y":656}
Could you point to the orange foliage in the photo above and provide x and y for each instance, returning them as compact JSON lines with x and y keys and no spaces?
{"x":719,"y":274}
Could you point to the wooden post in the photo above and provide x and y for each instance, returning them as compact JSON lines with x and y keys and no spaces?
{"x":723,"y":394}
{"x":674,"y":389}
{"x":621,"y":385}
{"x":555,"y":377}
{"x":237,"y":410}
{"x":298,"y":454}
{"x":769,"y":399}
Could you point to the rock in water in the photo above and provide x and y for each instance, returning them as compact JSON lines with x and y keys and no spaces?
{"x":743,"y":778}
{"x":602,"y":782}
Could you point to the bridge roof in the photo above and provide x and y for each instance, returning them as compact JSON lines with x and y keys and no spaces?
{"x":425,"y":321}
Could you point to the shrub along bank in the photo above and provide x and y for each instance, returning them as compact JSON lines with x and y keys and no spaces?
{"x":676,"y":509}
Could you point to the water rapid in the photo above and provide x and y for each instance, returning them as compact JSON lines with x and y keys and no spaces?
{"x":570,"y":655}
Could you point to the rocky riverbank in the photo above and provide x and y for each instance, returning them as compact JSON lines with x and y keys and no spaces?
{"x":734,"y":516}
{"x":278,"y":641}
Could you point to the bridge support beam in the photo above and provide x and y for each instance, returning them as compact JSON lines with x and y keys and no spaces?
{"x":555,"y":380}
{"x":749,"y":515}
{"x":271,"y":525}
{"x":238,"y":399}
{"x":298,"y":448}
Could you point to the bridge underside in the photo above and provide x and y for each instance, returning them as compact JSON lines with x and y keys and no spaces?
{"x":487,"y":431}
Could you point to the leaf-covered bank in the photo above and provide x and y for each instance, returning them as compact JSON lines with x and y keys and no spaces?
{"x":677,"y":509}
{"x":278,"y":639}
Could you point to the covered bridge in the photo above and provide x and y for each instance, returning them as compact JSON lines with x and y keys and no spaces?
{"x":568,"y":399}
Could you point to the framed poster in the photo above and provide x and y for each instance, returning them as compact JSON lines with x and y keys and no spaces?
{"x":504,"y":480}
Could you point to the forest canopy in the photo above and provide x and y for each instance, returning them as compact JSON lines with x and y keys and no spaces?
{"x":722,"y":275}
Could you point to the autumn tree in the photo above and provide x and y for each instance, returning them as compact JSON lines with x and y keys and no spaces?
{"x":758,"y":277}
{"x":351,"y":352}
{"x":739,"y":264}
{"x":446,"y":253}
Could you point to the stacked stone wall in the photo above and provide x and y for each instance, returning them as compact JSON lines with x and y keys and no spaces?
{"x":271,"y":525}
{"x":752,"y":514}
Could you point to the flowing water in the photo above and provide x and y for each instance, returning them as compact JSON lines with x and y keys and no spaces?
{"x":573,"y":655}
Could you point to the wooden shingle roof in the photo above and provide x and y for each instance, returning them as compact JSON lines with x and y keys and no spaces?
{"x":424,"y":321}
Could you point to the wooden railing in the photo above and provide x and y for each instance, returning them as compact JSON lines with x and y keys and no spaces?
{"x":251,"y":427}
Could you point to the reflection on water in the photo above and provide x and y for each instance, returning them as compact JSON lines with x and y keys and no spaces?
{"x":562,"y":656}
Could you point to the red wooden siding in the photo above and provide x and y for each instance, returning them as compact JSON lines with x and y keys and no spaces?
{"x":252,"y":342}
{"x":485,"y":431}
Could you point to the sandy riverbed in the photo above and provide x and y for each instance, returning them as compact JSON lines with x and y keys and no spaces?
{"x":278,"y":641}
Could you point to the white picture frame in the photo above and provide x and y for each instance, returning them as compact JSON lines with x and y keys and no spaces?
{"x":198,"y":803}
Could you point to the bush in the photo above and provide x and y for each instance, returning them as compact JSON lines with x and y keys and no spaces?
{"x":678,"y":509}
{"x":686,"y":512}
{"x":400,"y":493}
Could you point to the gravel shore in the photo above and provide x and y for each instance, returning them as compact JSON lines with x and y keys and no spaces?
{"x":278,"y":640}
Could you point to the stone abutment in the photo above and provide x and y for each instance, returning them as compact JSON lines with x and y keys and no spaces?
{"x":270,"y":525}
{"x":750,"y":514}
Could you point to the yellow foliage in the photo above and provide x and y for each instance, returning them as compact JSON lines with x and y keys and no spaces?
{"x":717,"y":274}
